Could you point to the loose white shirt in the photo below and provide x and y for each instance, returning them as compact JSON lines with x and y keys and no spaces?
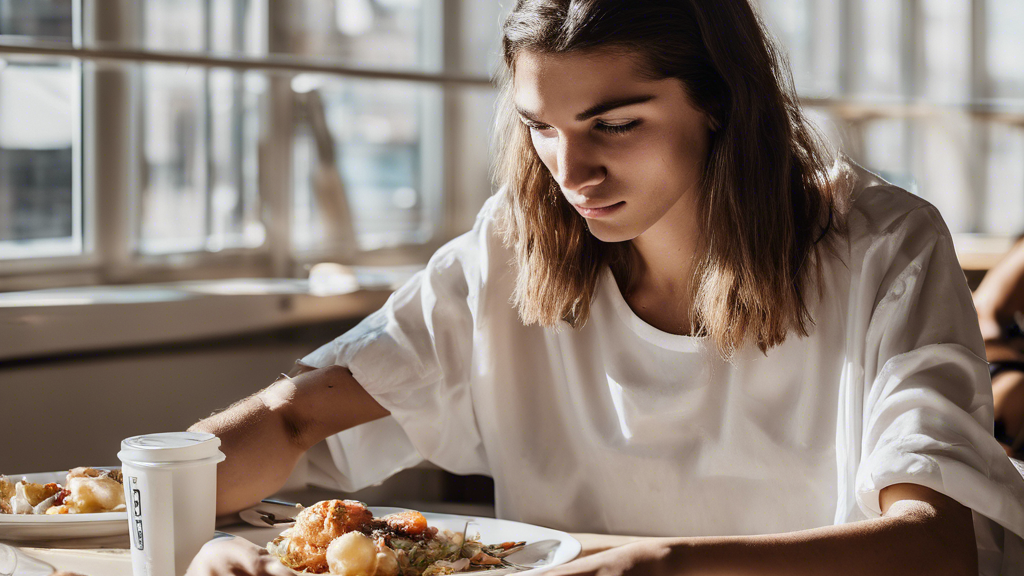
{"x":618,"y":427}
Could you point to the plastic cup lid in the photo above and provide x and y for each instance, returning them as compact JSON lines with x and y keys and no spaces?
{"x":170,"y":447}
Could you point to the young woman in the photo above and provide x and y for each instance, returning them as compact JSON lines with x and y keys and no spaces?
{"x":682,"y":316}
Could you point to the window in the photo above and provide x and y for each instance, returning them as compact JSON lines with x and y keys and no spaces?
{"x":199,"y":132}
{"x":929,"y":93}
{"x":40,"y":194}
{"x":239,"y":137}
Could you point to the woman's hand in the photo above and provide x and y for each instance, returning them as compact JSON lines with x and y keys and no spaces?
{"x":647,"y":558}
{"x":235,"y":557}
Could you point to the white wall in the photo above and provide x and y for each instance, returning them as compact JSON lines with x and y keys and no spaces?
{"x":73,"y":411}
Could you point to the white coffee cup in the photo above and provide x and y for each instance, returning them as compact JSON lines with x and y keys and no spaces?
{"x":170,"y":487}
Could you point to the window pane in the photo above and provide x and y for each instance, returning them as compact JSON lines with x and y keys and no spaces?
{"x":876,"y":69}
{"x":941,"y":163}
{"x":174,"y":166}
{"x":388,"y":172}
{"x":886,"y":152}
{"x":1004,"y":198}
{"x":1005,"y":50}
{"x":41,"y":19}
{"x":479,"y":44}
{"x":385,"y":33}
{"x":947,"y":50}
{"x":199,"y":134}
{"x":788,"y":22}
{"x":40,"y":194}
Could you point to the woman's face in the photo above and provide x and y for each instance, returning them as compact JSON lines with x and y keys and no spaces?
{"x":626,"y":151}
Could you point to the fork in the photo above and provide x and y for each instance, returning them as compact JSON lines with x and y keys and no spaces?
{"x":271,"y":519}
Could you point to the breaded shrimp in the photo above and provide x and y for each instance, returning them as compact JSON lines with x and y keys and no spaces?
{"x":304,"y":546}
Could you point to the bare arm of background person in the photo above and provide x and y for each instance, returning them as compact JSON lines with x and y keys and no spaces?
{"x":264,"y":435}
{"x":1001,"y":293}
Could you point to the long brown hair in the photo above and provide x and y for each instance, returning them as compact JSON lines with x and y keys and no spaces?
{"x":770,"y":198}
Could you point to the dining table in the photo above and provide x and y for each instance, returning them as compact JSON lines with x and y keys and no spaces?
{"x":111,"y":556}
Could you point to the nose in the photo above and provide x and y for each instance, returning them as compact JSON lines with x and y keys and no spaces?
{"x":578,"y":164}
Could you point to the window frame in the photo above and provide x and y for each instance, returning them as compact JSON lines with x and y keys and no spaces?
{"x":110,"y":84}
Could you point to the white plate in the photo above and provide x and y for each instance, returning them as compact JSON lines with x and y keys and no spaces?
{"x":544,"y":547}
{"x":59,"y":526}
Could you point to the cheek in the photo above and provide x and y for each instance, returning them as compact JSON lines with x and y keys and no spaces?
{"x":545,"y":149}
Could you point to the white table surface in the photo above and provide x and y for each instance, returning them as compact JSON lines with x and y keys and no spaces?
{"x":111,"y":556}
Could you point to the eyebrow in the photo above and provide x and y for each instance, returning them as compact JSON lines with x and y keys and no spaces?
{"x":597,"y":109}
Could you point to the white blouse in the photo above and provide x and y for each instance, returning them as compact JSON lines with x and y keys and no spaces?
{"x":621,"y":428}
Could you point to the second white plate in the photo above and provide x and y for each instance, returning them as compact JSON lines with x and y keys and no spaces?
{"x":19,"y":527}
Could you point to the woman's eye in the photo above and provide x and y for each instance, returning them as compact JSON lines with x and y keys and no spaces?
{"x":621,"y":128}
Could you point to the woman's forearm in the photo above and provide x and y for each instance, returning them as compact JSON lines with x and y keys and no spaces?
{"x":261,"y":452}
{"x":913,"y":539}
{"x":264,"y":435}
{"x":921,"y":532}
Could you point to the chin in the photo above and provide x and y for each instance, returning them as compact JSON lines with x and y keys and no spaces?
{"x":609,"y":233}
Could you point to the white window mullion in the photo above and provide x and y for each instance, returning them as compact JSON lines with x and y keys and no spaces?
{"x":440,"y":132}
{"x":110,"y":111}
{"x":206,"y":129}
{"x":980,"y":92}
{"x":275,"y":155}
{"x":83,"y":209}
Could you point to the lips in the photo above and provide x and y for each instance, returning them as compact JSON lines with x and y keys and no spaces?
{"x":599,"y":211}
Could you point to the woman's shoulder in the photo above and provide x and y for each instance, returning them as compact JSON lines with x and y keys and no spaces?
{"x":477,"y":251}
{"x":880,"y":209}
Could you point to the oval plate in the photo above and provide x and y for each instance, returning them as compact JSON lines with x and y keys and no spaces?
{"x":545,"y":547}
{"x":59,"y":526}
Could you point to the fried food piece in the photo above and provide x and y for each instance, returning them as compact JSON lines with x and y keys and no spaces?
{"x":410,"y":523}
{"x":36,"y":493}
{"x":6,"y":493}
{"x":324,"y":521}
{"x":57,"y":510}
{"x":387,"y":560}
{"x":304,"y":546}
{"x":86,"y":472}
{"x":88,"y":494}
{"x":353,"y":554}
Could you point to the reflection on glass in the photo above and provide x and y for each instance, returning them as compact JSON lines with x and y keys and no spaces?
{"x":199,"y":134}
{"x":40,"y":204}
{"x":1004,"y":193}
{"x":377,"y":137}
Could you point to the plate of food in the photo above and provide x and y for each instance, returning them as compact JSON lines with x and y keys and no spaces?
{"x":80,"y":503}
{"x":347,"y":538}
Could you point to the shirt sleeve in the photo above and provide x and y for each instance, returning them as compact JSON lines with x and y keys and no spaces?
{"x":415,"y":356}
{"x":927,"y":415}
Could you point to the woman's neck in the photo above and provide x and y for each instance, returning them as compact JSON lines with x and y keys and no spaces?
{"x":667,"y":252}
